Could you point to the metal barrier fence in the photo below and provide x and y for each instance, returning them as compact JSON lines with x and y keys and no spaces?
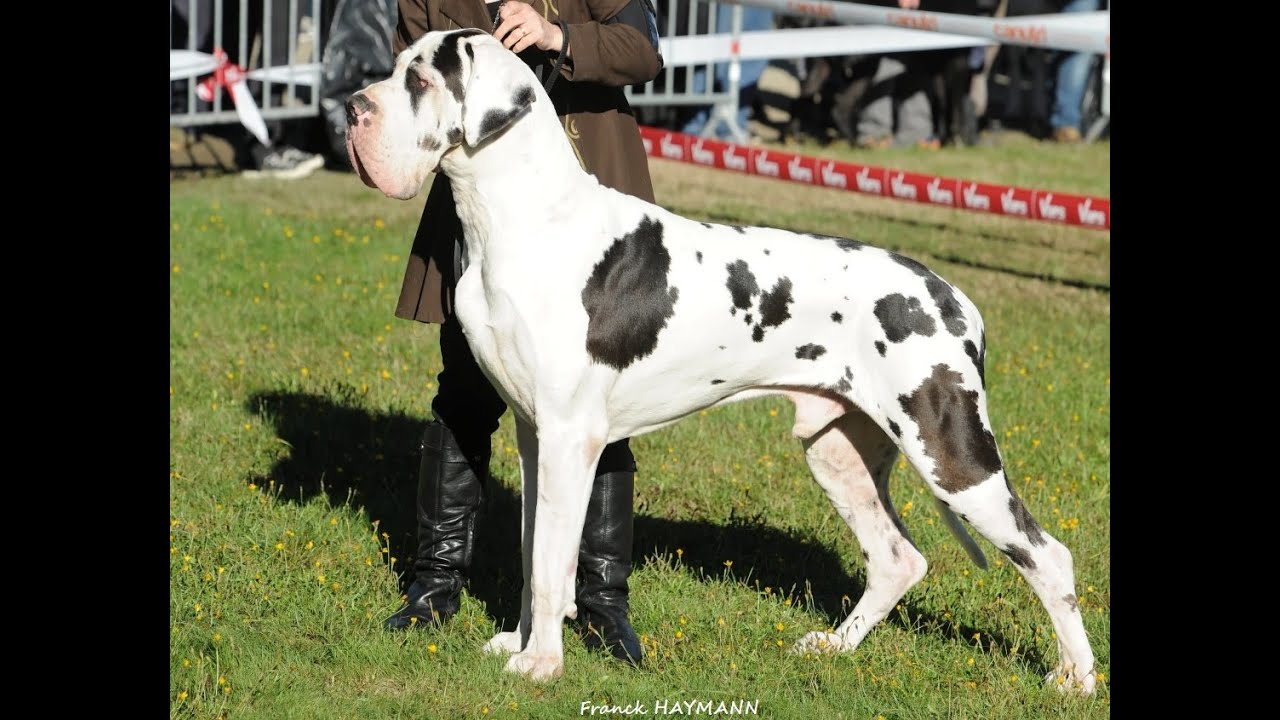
{"x":696,"y":84}
{"x":276,"y":41}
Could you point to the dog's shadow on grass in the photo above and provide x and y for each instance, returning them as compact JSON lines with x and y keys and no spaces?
{"x":370,"y":461}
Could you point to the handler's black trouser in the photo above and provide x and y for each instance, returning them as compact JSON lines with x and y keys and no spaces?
{"x":467,"y":403}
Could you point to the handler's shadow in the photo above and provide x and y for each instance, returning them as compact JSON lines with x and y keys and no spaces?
{"x":371,"y":461}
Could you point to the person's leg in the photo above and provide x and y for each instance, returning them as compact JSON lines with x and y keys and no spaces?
{"x":961,"y":119}
{"x":749,"y":71}
{"x":455,"y":457}
{"x":1071,"y":78}
{"x":604,"y":558}
{"x":875,"y":122}
{"x":923,"y":111}
{"x":849,"y":94}
{"x":1038,"y":69}
{"x":914,"y":118}
{"x":913,"y":113}
{"x":1015,"y":99}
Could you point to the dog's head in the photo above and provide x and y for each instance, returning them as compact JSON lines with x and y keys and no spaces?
{"x":447,"y":89}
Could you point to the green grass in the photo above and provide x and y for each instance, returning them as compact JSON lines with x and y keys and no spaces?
{"x":297,"y":400}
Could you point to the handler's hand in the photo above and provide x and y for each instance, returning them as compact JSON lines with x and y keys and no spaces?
{"x":521,"y":26}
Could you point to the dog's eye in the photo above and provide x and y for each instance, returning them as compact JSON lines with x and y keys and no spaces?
{"x":414,"y":78}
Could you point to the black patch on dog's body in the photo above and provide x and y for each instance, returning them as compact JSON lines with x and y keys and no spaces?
{"x":1072,"y":602}
{"x":843,"y":385}
{"x":900,"y":316}
{"x":844,"y":244}
{"x":741,"y":230}
{"x":766,"y":252}
{"x":880,"y":346}
{"x":964,"y":452}
{"x":837,"y":317}
{"x":698,"y":255}
{"x":627,"y":298}
{"x":893,"y":427}
{"x":430,"y":143}
{"x":972,"y":351}
{"x":1023,"y":519}
{"x":773,"y":303}
{"x":747,"y":318}
{"x":943,"y":295}
{"x":454,"y":136}
{"x":810,"y":352}
{"x":495,"y":119}
{"x":1020,"y":557}
{"x":716,"y":382}
{"x":707,"y":225}
{"x":413,"y":85}
{"x":449,"y":63}
{"x":742,"y":284}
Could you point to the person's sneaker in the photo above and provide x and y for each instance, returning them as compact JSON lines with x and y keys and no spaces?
{"x":1066,"y":134}
{"x":869,"y":142}
{"x":287,"y":163}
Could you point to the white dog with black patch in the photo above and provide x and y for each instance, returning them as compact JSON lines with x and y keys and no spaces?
{"x":652,"y":317}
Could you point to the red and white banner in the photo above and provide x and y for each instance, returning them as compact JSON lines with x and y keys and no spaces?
{"x":1082,"y":32}
{"x":1062,"y":208}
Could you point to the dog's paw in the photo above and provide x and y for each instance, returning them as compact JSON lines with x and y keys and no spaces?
{"x":1068,"y":681}
{"x":538,"y":668}
{"x":819,"y":642}
{"x":503,"y":643}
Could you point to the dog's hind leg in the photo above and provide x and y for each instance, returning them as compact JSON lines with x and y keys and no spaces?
{"x":851,"y":459}
{"x":946,"y":435}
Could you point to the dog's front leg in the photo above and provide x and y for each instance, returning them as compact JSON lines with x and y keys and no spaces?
{"x":527,"y":443}
{"x":566,"y":459}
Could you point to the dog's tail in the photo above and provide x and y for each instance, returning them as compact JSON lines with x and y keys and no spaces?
{"x":962,"y":535}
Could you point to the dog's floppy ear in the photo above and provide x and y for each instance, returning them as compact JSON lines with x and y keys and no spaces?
{"x":499,"y":89}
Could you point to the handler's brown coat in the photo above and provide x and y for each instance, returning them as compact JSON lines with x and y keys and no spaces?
{"x":588,"y":98}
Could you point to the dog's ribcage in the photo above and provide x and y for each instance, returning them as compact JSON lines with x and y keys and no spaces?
{"x":756,"y":307}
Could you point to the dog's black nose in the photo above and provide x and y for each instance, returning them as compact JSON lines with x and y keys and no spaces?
{"x":358,"y":105}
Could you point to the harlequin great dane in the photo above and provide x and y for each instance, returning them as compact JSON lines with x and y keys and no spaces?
{"x":599,"y":316}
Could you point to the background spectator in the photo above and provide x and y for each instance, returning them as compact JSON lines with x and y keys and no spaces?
{"x":1071,"y":78}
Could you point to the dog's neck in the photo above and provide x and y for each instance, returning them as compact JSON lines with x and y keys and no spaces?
{"x":511,"y":176}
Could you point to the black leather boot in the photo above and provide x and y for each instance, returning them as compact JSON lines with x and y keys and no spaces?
{"x":449,"y":493}
{"x":604,"y":562}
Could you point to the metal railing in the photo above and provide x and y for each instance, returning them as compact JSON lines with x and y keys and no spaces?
{"x":677,"y":85}
{"x":277,"y":41}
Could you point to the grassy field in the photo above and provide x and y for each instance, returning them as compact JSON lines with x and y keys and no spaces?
{"x":297,"y":400}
